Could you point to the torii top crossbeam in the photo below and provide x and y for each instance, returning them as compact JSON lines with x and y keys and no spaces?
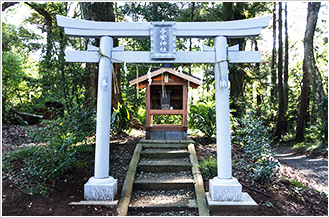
{"x":163,"y":39}
{"x":231,"y":29}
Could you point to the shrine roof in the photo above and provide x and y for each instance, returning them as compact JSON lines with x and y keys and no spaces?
{"x":158,"y":71}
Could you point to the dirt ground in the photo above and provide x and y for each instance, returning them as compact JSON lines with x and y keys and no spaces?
{"x":281,"y":197}
{"x":312,"y":169}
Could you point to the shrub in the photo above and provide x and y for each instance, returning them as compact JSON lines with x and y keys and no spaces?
{"x":38,"y":168}
{"x":120,"y":119}
{"x":255,"y":139}
{"x":209,"y":167}
{"x":202,"y":117}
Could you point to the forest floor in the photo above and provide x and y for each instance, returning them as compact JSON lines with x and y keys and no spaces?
{"x":296,"y":191}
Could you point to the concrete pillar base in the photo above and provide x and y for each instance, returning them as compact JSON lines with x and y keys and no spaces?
{"x":100,"y":189}
{"x":225,"y":189}
{"x":247,"y":204}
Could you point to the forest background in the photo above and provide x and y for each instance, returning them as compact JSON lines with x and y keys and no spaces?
{"x":286,"y":94}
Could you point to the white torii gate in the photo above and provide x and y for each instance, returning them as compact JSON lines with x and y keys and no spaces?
{"x":163,"y":35}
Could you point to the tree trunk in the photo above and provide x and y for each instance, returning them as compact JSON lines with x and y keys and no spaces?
{"x":273,"y":65}
{"x":280,"y":116}
{"x":116,"y":83}
{"x":310,"y":68}
{"x":100,"y":11}
{"x":286,"y":61}
{"x":303,"y":107}
{"x":258,"y":76}
{"x":49,"y":26}
{"x":236,"y":72}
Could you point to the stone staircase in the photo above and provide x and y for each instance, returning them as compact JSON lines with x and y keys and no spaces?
{"x":165,"y":181}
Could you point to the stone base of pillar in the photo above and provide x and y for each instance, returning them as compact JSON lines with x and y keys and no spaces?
{"x":100,"y":189}
{"x":225,"y":189}
{"x":247,"y":204}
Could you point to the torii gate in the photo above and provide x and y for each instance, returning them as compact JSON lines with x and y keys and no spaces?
{"x":163,"y":35}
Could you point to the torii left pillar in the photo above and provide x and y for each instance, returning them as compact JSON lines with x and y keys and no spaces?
{"x":102,"y":187}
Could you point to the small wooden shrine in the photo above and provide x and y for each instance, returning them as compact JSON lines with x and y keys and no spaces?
{"x":166,"y":94}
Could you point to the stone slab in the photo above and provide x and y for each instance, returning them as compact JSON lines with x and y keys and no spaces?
{"x":164,"y":145}
{"x":166,"y":135}
{"x":99,"y":203}
{"x":163,"y":166}
{"x":158,"y":184}
{"x":179,"y":206}
{"x":164,"y":154}
{"x":246,"y":204}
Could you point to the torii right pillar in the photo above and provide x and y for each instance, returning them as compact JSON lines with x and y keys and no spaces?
{"x":224,"y":187}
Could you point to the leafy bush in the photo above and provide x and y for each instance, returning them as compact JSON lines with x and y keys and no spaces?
{"x":38,"y":168}
{"x":202,"y":117}
{"x":120,"y":119}
{"x":209,"y":167}
{"x":167,"y":119}
{"x":141,"y":115}
{"x":255,"y":139}
{"x":41,"y":167}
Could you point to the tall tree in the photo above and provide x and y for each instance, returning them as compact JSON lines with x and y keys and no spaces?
{"x":42,"y":10}
{"x":286,"y":60}
{"x":100,"y":11}
{"x":273,"y":64}
{"x":53,"y":68}
{"x":280,"y":115}
{"x":257,"y":67}
{"x":237,"y":73}
{"x":311,"y":73}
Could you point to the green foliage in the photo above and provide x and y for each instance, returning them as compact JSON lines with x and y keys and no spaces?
{"x":42,"y":167}
{"x":38,"y":168}
{"x":202,"y":117}
{"x":18,"y":71}
{"x":167,"y":119}
{"x":19,"y":39}
{"x":208,"y":167}
{"x":75,"y":127}
{"x":120,"y":119}
{"x":141,"y":115}
{"x":255,"y":139}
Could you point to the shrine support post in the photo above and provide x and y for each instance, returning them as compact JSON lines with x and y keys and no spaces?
{"x":102,"y":186}
{"x":224,"y":187}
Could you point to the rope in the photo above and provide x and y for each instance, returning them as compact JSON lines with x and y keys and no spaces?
{"x":115,"y":81}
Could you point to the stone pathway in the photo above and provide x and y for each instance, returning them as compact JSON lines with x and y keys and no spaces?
{"x":166,"y":181}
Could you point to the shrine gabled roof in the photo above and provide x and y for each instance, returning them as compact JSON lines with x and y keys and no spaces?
{"x":192,"y":79}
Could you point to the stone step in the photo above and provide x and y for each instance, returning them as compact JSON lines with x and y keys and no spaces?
{"x":164,"y":153}
{"x":158,"y":201}
{"x":162,"y":184}
{"x":162,"y":145}
{"x":149,"y":141}
{"x":170,"y":165}
{"x":136,"y":212}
